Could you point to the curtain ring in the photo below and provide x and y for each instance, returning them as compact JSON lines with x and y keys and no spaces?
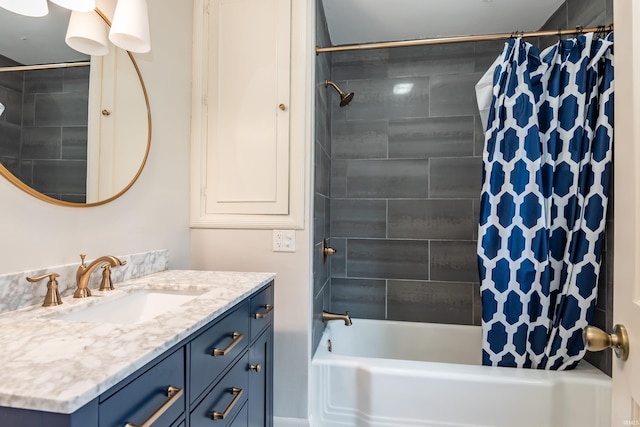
{"x":559,"y":34}
{"x":578,"y":30}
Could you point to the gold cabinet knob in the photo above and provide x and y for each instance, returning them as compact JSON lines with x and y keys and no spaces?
{"x":282,"y":107}
{"x":595,"y":339}
{"x":106,"y":112}
{"x":255,"y":368}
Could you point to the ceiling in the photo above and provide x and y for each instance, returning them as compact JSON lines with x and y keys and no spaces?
{"x":363,"y":21}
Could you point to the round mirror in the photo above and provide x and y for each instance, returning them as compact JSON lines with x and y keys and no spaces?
{"x":74,"y":130}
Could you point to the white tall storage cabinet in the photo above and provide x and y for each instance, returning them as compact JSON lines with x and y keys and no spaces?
{"x":243,"y":174}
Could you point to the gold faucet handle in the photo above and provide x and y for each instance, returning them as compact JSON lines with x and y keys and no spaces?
{"x":51,"y":276}
{"x":53,"y":296}
{"x":107,"y":283}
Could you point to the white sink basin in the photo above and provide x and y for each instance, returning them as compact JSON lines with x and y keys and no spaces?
{"x":134,"y":307}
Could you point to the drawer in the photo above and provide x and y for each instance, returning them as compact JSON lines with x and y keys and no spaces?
{"x":136,"y":402}
{"x":230,"y":337}
{"x":228,"y":397}
{"x":242,"y":418}
{"x":261,"y":311}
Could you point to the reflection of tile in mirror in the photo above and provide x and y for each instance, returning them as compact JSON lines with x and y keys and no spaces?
{"x":74,"y":142}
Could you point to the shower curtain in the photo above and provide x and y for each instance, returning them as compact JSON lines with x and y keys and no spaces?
{"x":546,"y":175}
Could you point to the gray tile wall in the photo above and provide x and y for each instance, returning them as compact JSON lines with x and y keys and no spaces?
{"x":405,"y":181}
{"x":11,"y":86}
{"x":592,"y":13}
{"x":43,"y":131}
{"x":322,"y":168}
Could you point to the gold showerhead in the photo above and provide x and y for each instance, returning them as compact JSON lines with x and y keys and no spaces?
{"x":345,"y":98}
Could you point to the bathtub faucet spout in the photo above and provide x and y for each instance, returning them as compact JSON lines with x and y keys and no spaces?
{"x":326,"y":316}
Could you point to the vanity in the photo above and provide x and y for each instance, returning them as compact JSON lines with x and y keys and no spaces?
{"x":204,"y":360}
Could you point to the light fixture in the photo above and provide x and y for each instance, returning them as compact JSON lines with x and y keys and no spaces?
{"x":87,"y":30}
{"x":130,"y":26}
{"x":77,"y":5}
{"x":87,"y":33}
{"x":35,"y":8}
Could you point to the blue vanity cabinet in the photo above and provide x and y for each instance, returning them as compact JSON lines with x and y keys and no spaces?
{"x":251,"y":375}
{"x":213,"y":369}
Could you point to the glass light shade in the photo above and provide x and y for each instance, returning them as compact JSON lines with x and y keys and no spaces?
{"x":35,"y":8}
{"x":87,"y":33}
{"x":130,"y":26}
{"x":107,"y":7}
{"x":77,"y":5}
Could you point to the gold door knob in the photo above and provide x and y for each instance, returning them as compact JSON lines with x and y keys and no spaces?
{"x":282,"y":107}
{"x":595,"y":339}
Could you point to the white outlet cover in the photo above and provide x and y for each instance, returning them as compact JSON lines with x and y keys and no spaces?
{"x":284,"y":240}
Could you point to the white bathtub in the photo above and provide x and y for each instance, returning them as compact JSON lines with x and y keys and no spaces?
{"x":385,"y":373}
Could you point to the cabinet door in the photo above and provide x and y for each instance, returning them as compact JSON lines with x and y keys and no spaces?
{"x":261,"y":381}
{"x":241,"y":136}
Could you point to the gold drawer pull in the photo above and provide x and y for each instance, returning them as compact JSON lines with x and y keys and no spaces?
{"x":256,"y":368}
{"x":268,"y":307}
{"x":221,"y":415}
{"x":237,"y":337}
{"x":174,"y":394}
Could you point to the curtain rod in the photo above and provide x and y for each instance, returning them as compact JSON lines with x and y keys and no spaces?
{"x":459,"y":39}
{"x":45,"y":66}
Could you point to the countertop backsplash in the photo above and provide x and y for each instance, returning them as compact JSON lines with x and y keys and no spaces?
{"x":16,"y":292}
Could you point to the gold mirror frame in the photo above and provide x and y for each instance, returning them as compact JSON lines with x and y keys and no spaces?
{"x":24,"y":187}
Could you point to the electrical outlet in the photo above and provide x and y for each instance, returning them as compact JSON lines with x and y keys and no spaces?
{"x":284,"y":241}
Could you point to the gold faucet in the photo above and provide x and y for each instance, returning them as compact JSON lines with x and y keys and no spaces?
{"x":326,"y":316}
{"x":84,"y":272}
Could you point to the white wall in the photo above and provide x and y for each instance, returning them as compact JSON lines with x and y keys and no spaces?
{"x":251,"y":250}
{"x":154,"y":213}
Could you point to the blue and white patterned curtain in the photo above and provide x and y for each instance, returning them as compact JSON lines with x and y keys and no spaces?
{"x":546,"y":176}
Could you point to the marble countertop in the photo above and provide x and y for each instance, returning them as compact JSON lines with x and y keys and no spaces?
{"x":56,"y":365}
